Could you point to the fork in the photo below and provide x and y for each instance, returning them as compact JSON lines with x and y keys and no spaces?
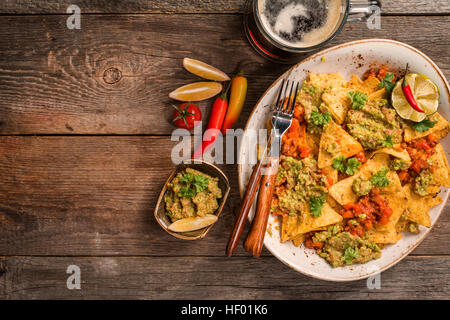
{"x":281,"y":121}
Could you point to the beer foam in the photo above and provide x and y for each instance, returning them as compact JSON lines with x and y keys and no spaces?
{"x":300,"y":23}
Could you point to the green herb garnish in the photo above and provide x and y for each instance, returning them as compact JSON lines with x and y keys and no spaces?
{"x":423,"y":126}
{"x":187,"y":192}
{"x":380,"y":179}
{"x":200,"y":183}
{"x":315,"y":206}
{"x":358,"y":99}
{"x":350,"y":254}
{"x":387,"y":82}
{"x":388,"y":141}
{"x":348,"y":167}
{"x":194,"y":184}
{"x":319,"y":118}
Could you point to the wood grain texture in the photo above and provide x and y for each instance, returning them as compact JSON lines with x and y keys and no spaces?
{"x":208,"y":278}
{"x":191,"y":6}
{"x":52,"y":80}
{"x":95,"y":195}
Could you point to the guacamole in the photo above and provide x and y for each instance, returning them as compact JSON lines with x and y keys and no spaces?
{"x":422,"y":182}
{"x":298,"y":182}
{"x":375,"y":126}
{"x":361,"y":187}
{"x":342,"y":248}
{"x":192,"y":194}
{"x":399,"y":164}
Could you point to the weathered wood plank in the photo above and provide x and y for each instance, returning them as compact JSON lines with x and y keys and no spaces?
{"x":52,"y":78}
{"x":95,"y":195}
{"x":188,"y":6}
{"x":209,"y":278}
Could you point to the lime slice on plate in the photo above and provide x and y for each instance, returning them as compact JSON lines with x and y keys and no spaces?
{"x":425,"y":92}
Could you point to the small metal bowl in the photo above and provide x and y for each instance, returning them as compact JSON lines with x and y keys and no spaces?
{"x":209,"y":169}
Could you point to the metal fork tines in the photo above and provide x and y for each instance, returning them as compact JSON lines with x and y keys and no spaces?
{"x":283,"y":113}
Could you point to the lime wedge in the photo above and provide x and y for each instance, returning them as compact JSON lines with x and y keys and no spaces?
{"x":193,"y":223}
{"x":425,"y":92}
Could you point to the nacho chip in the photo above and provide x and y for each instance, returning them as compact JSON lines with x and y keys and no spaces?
{"x":441,"y":175}
{"x":440,"y":129}
{"x":416,"y":207}
{"x":342,"y":191}
{"x":326,"y":80}
{"x":298,"y":240}
{"x":294,"y":226}
{"x":379,"y":94}
{"x":407,"y":225}
{"x":328,"y":217}
{"x":313,"y":141}
{"x":288,"y":225}
{"x":396,"y":203}
{"x":385,"y":237}
{"x":338,"y":102}
{"x":355,"y":82}
{"x":370,"y":85}
{"x":396,"y":151}
{"x":341,"y":142}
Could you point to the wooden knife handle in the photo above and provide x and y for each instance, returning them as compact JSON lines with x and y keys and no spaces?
{"x":255,"y":237}
{"x":246,"y":204}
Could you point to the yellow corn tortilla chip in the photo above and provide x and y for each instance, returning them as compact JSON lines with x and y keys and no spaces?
{"x":355,"y":82}
{"x":440,"y":129}
{"x":313,"y":141}
{"x":441,"y":175}
{"x":396,"y":202}
{"x":345,"y":145}
{"x":396,"y":151}
{"x":379,"y":94}
{"x":416,"y":207}
{"x":295,"y":225}
{"x":342,"y":191}
{"x":288,"y":225}
{"x":326,"y":80}
{"x":338,"y":102}
{"x":370,"y":85}
{"x":298,"y":240}
{"x":385,"y":237}
{"x":328,"y":217}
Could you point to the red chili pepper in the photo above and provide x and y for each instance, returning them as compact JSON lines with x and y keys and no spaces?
{"x":216,"y":118}
{"x":409,"y":95}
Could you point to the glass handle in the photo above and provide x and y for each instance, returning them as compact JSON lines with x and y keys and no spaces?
{"x":360,"y":10}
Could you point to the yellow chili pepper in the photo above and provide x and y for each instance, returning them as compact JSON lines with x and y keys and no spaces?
{"x":237,"y":99}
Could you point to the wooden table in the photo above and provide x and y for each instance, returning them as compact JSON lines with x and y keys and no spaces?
{"x":85,"y":148}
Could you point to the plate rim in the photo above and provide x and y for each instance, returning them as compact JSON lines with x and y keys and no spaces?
{"x":309,"y":58}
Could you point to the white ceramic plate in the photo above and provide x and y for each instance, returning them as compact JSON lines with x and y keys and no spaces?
{"x":349,"y":58}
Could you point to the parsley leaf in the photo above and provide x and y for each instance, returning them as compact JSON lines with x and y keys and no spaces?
{"x":352,"y":165}
{"x":187,"y":192}
{"x":387,"y":82}
{"x":339,"y":163}
{"x":315,"y":206}
{"x":379,"y":178}
{"x":187,"y":178}
{"x":319,"y":118}
{"x":423,"y":126}
{"x":388,"y":141}
{"x":348,"y":167}
{"x":350,"y":254}
{"x":358,"y":99}
{"x":200,"y":183}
